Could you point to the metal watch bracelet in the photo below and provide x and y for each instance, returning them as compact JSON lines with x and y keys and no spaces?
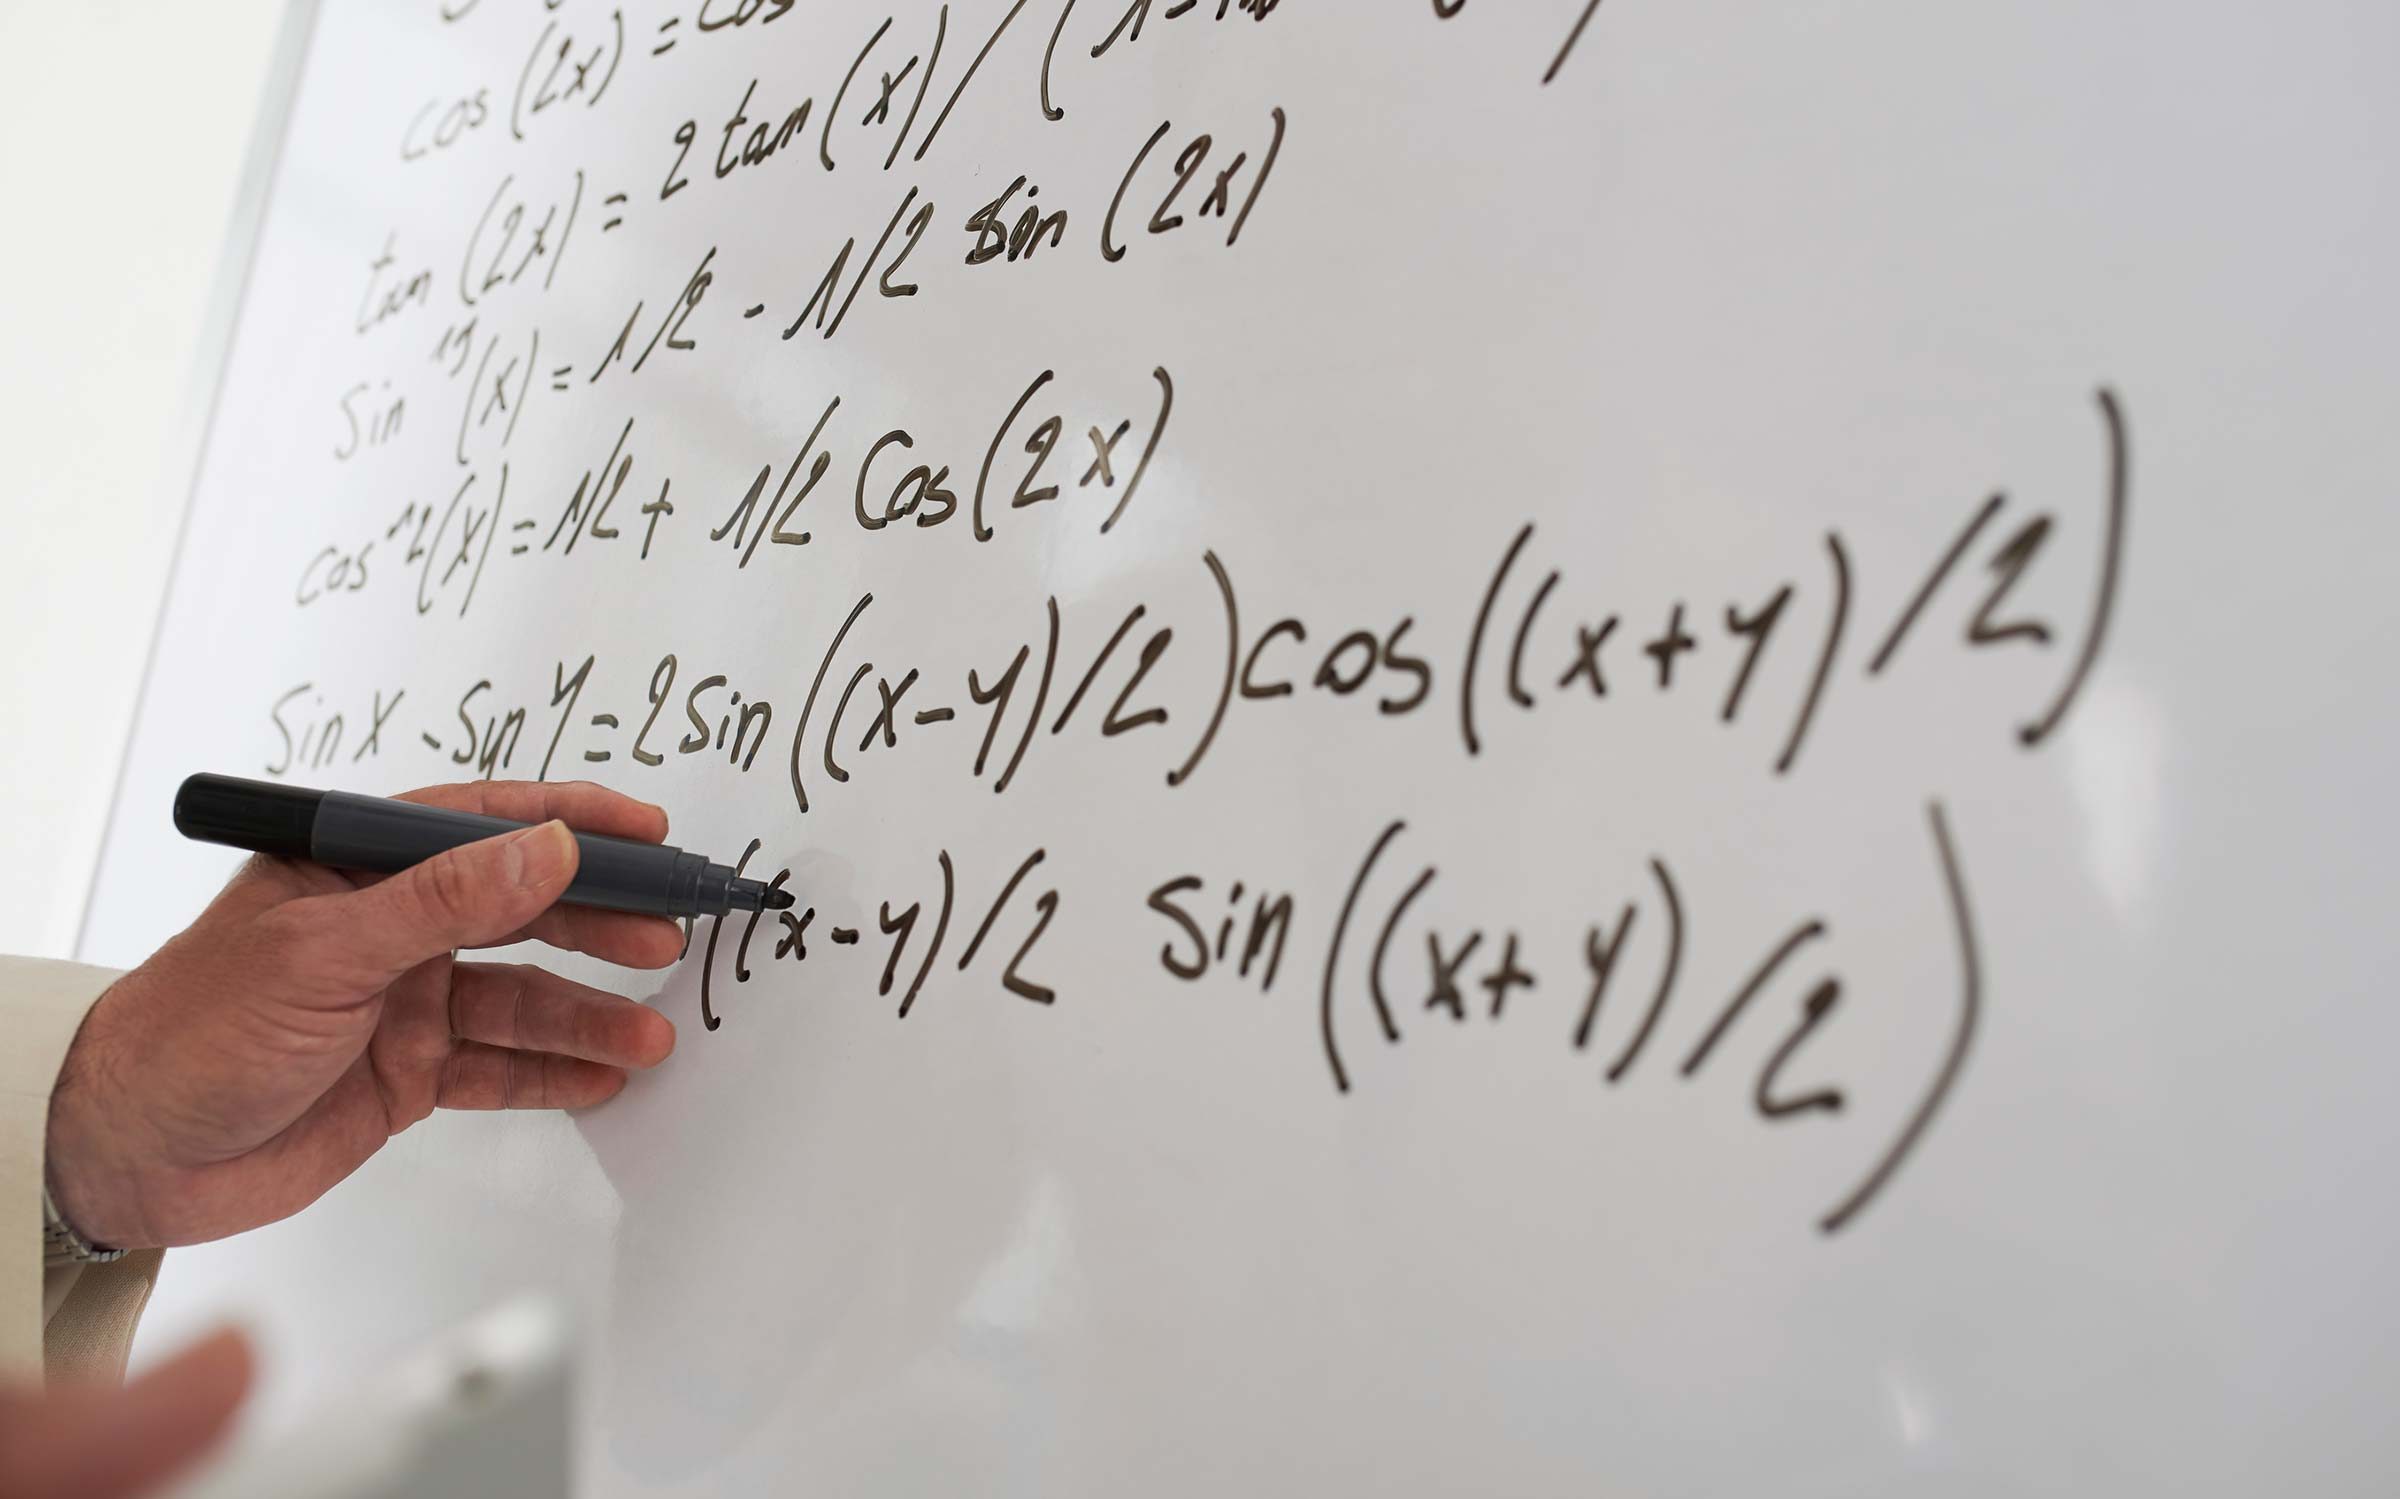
{"x":62,"y":1245}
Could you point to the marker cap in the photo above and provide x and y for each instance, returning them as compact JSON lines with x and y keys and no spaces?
{"x":257,"y":815}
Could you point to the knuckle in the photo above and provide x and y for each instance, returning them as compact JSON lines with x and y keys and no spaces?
{"x":291,"y":934}
{"x":589,"y":1026}
{"x":450,"y":1091}
{"x":447,"y":891}
{"x":518,"y":982}
{"x":284,"y":925}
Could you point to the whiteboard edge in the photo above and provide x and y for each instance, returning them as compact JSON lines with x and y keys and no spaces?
{"x":228,"y":290}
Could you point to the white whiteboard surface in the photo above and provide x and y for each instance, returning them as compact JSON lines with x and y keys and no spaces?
{"x":102,"y":361}
{"x":1735,"y":327}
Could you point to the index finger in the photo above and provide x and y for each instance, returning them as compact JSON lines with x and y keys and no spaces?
{"x":581,"y":805}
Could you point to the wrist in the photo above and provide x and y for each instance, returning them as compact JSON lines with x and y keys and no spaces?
{"x":88,"y":1184}
{"x":62,"y":1244}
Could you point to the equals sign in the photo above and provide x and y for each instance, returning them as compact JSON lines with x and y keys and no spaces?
{"x":558,"y":377}
{"x":600,"y":721}
{"x":669,"y":24}
{"x":614,"y":200}
{"x":521,"y":550}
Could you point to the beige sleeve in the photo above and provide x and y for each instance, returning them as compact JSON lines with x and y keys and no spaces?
{"x":76,"y":1322}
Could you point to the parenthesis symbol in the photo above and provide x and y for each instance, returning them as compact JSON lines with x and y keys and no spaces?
{"x":1666,"y":977}
{"x":1383,"y":942}
{"x":1110,"y":250}
{"x":1166,"y":408}
{"x":800,"y":733}
{"x":933,"y":61}
{"x":941,"y":925}
{"x":1483,"y":621}
{"x":1970,"y":1007}
{"x":2104,"y":603}
{"x":825,"y":132}
{"x":1041,"y":701}
{"x":466,"y":263}
{"x":1265,"y":169}
{"x":516,"y":107}
{"x":1050,"y":111}
{"x":708,"y":962}
{"x":1233,"y":659}
{"x":573,"y":208}
{"x":1835,"y":623}
{"x":613,"y":63}
{"x":1333,"y":953}
{"x":983,"y":479}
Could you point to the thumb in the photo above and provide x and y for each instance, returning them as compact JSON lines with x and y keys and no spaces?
{"x":112,"y":1444}
{"x":469,"y":897}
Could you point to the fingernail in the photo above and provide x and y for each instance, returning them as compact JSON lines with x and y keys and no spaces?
{"x":538,"y":856}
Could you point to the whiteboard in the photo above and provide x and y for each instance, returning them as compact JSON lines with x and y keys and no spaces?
{"x":1529,"y":748}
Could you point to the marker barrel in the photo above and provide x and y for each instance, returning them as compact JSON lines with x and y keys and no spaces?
{"x":345,"y":831}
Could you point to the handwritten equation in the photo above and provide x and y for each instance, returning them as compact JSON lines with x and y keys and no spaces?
{"x":1764,"y":661}
{"x":507,"y":436}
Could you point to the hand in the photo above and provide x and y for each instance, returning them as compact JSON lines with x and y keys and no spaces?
{"x":113,"y":1444}
{"x":308,"y":1016}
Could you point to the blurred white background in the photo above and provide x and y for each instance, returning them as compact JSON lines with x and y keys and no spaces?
{"x":116,"y":219}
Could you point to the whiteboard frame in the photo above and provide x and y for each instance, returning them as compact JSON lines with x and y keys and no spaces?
{"x":229,"y":293}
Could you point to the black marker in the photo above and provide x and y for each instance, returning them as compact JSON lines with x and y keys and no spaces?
{"x":346,"y":831}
